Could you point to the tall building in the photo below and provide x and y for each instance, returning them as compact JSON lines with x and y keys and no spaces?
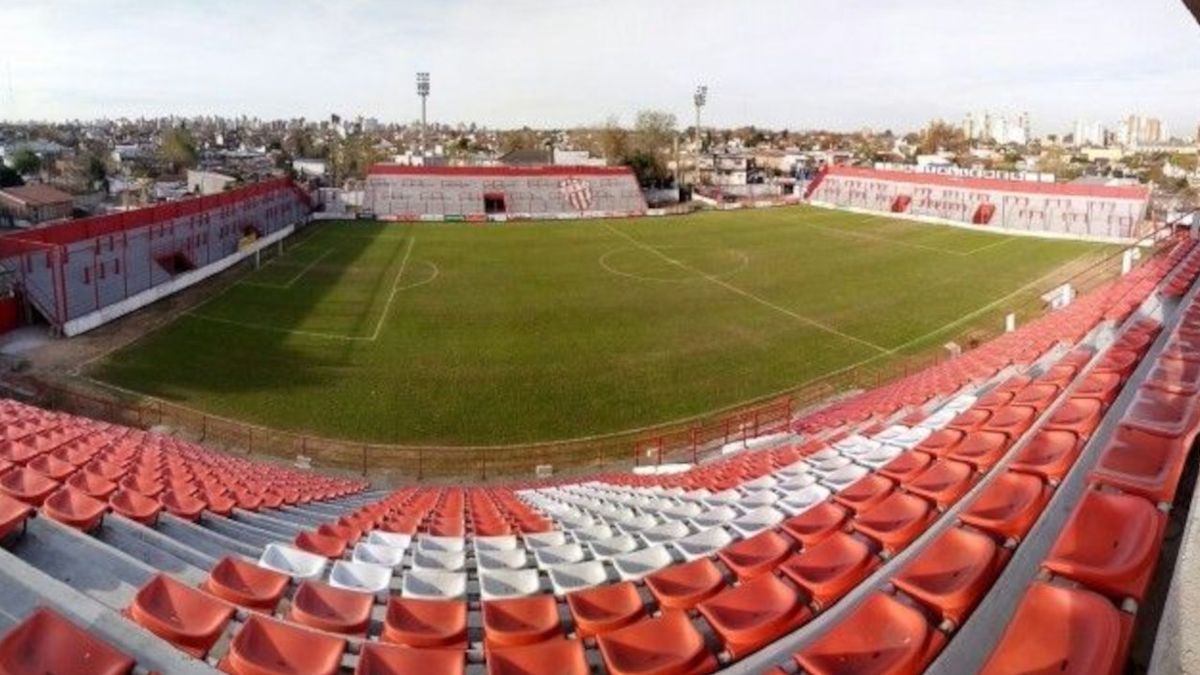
{"x":1138,"y":130}
{"x":1002,"y":129}
{"x":1090,"y":134}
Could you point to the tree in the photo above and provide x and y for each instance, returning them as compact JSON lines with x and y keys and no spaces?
{"x":26,"y":162}
{"x":941,"y":135}
{"x":654,"y":135}
{"x":9,"y":177}
{"x":614,"y":141}
{"x":521,"y":139}
{"x":178,"y":149}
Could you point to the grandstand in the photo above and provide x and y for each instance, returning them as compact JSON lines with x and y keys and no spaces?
{"x":501,"y":193}
{"x":998,"y":512}
{"x":1100,"y":212}
{"x":83,"y":273}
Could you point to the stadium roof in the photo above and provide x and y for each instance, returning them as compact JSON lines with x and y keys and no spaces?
{"x":1065,"y":189}
{"x":487,"y":171}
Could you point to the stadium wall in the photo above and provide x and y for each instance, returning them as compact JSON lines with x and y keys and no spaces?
{"x":480,"y":194}
{"x":1063,"y":210}
{"x":73,"y":272}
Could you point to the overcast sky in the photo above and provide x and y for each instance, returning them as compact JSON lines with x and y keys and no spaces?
{"x":838,"y":64}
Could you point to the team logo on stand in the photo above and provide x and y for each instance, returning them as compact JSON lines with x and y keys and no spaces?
{"x":577,"y":192}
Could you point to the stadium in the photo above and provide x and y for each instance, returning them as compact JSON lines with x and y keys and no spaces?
{"x":521,"y":420}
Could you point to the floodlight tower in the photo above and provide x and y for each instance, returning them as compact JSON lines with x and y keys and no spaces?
{"x":700,"y":98}
{"x":423,"y":92}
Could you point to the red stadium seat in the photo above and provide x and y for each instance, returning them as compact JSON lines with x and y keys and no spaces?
{"x":865,"y":492}
{"x":520,"y":621}
{"x":817,"y":523}
{"x":943,"y":483}
{"x":1008,"y":506}
{"x":331,"y":609}
{"x":685,"y":585}
{"x":952,"y":573}
{"x":1077,"y":415}
{"x":13,"y":515}
{"x":1036,"y":395}
{"x":267,"y":646}
{"x":135,"y":506}
{"x":941,"y":442}
{"x":330,"y":547}
{"x":1062,"y":630}
{"x":831,"y":568}
{"x":896,"y":521}
{"x":26,"y":485}
{"x":1049,"y":454}
{"x":882,"y":635}
{"x":182,"y":505}
{"x":45,"y":643}
{"x":1176,"y":376}
{"x":757,"y":555}
{"x":970,"y":420}
{"x":1103,"y":387}
{"x":553,"y":657}
{"x":981,"y":449}
{"x":757,"y":612}
{"x":1110,"y":543}
{"x":381,"y":659}
{"x":907,"y":465}
{"x":1155,"y":412}
{"x":605,"y":608}
{"x":1012,"y":421}
{"x":1142,"y":463}
{"x":187,"y":618}
{"x":665,"y":645}
{"x":75,"y":509}
{"x":426,"y":623}
{"x":246,"y":584}
{"x":92,"y":485}
{"x":52,"y":467}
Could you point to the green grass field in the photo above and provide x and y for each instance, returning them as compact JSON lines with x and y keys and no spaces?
{"x":492,"y":334}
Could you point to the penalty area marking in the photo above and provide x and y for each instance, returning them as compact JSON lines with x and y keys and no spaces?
{"x":288,"y":284}
{"x":747,"y":294}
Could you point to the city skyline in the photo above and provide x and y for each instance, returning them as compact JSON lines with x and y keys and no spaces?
{"x":577,"y":63}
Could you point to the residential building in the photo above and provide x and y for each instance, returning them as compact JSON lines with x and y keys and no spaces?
{"x":35,"y":204}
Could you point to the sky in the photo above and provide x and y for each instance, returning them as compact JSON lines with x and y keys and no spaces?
{"x":796,"y":64}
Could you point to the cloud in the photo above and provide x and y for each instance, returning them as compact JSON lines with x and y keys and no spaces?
{"x":793,"y":63}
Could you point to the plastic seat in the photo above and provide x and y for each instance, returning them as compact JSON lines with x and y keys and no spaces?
{"x":1155,"y":412}
{"x":634,"y":566}
{"x":867,"y":492}
{"x":1037,"y":395}
{"x":361,"y":577}
{"x":92,"y":485}
{"x":817,"y":523}
{"x":45,"y":643}
{"x":702,"y":544}
{"x":1175,"y":375}
{"x":1008,"y":506}
{"x":1077,"y":415}
{"x":552,"y":657}
{"x":844,"y":477}
{"x":995,"y":399}
{"x":1118,"y":361}
{"x":804,"y":499}
{"x":749,"y":616}
{"x":881,"y":635}
{"x":52,"y":467}
{"x":188,"y":618}
{"x":941,"y":441}
{"x":665,"y":645}
{"x":605,"y":608}
{"x":577,"y":576}
{"x":1103,"y":387}
{"x":1049,"y":454}
{"x":434,"y":584}
{"x":13,"y":515}
{"x":558,"y":554}
{"x":181,"y":505}
{"x":755,"y":521}
{"x":292,"y":562}
{"x":685,"y":585}
{"x":332,"y":609}
{"x":1142,"y":463}
{"x":757,"y":555}
{"x":943,"y":483}
{"x":27,"y":485}
{"x":496,"y":584}
{"x":266,"y":646}
{"x":981,"y":449}
{"x":136,"y":507}
{"x":381,"y":659}
{"x":906,"y":465}
{"x":970,"y":420}
{"x":378,"y":554}
{"x":831,"y":568}
{"x":426,"y":623}
{"x":1110,"y":544}
{"x":520,"y":621}
{"x":1013,"y":421}
{"x":246,"y":584}
{"x":952,"y":573}
{"x":896,"y":521}
{"x":1062,"y":630}
{"x":320,"y":544}
{"x":430,"y":542}
{"x":390,"y":539}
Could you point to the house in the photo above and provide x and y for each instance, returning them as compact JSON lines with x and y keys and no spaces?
{"x":309,"y":168}
{"x":35,"y":204}
{"x":208,"y":182}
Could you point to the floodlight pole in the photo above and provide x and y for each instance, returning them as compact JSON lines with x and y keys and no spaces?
{"x":423,"y":92}
{"x":700,"y":98}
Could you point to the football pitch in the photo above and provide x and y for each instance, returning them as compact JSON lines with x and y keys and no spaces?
{"x":442,"y":333}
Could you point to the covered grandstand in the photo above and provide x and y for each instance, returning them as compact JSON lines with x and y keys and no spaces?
{"x":1101,"y":212}
{"x":501,"y":193}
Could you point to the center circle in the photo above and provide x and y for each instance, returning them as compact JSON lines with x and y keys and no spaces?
{"x":677,"y":263}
